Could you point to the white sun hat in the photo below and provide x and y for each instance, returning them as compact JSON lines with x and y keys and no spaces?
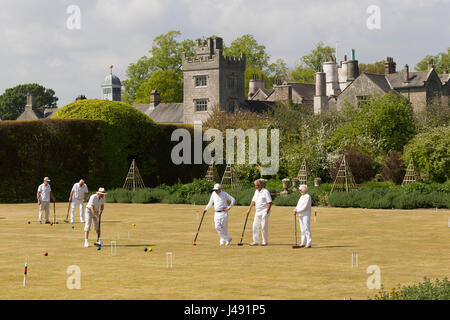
{"x":101,"y":191}
{"x":217,"y":186}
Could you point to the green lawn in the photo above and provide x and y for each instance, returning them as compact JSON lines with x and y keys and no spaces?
{"x":406,"y":244}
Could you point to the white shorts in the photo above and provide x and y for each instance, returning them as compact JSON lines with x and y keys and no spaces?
{"x":90,"y":219}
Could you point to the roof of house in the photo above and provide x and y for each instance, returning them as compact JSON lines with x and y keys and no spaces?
{"x":380,"y":80}
{"x":305,"y":90}
{"x":416,"y":79}
{"x":256,"y":105}
{"x":37,"y":113}
{"x":163,"y":112}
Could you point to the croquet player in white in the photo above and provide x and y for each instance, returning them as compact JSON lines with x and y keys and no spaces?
{"x":303,"y":210}
{"x":219,"y":198}
{"x":262,"y":201}
{"x":77,"y":198}
{"x":44,"y":193}
{"x":94,"y":209}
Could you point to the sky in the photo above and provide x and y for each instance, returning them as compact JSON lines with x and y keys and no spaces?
{"x":38,"y":46}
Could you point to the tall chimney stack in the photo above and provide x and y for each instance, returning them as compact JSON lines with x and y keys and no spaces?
{"x":389,"y":66}
{"x":155,"y":98}
{"x":406,"y":74}
{"x":31,"y":102}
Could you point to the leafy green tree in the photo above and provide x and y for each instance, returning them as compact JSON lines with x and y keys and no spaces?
{"x":376,"y":67}
{"x":169,"y":84}
{"x":311,"y":63}
{"x":385,"y":123}
{"x":13,"y":100}
{"x":431,"y":153}
{"x":441,"y":60}
{"x":165,"y":54}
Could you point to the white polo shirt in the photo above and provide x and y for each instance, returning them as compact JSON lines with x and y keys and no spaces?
{"x":95,"y":202}
{"x":44,"y":192}
{"x":261,"y":199}
{"x":79,"y":192}
{"x":304,"y":205}
{"x":220,"y":201}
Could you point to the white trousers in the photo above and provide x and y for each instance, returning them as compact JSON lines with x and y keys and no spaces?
{"x":73,"y":205}
{"x":44,"y":207}
{"x":305,"y":229}
{"x":261,"y":220}
{"x":221,"y":224}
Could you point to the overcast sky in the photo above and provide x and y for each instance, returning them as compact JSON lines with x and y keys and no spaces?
{"x":37,"y":46}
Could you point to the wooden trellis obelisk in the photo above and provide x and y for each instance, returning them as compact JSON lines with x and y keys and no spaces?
{"x":344,"y":179}
{"x":230,"y":178}
{"x":211,"y":174}
{"x":302,"y":176}
{"x":411,"y":174}
{"x":133,"y":180}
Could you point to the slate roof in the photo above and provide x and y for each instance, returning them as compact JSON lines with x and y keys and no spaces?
{"x":380,"y":80}
{"x":163,"y":112}
{"x":38,"y":113}
{"x":305,"y":90}
{"x":416,"y":79}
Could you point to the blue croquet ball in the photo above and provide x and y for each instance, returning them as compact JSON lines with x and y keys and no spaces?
{"x":73,"y":227}
{"x":99,"y":248}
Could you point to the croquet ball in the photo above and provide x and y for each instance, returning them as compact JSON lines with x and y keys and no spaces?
{"x":51,"y":224}
{"x":99,"y":248}
{"x":73,"y":227}
{"x":134,"y":224}
{"x":150,"y":249}
{"x":45,"y":253}
{"x":29,"y":222}
{"x":145,"y":249}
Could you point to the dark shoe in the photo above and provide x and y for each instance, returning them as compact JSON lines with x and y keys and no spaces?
{"x":47,"y":222}
{"x":302,"y":246}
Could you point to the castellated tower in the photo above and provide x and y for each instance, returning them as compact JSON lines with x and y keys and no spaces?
{"x":211,"y":80}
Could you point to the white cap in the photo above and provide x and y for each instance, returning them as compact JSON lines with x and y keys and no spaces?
{"x":46,"y":179}
{"x":217,"y":186}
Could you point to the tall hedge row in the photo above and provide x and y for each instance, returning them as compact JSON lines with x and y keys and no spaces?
{"x":69,"y":149}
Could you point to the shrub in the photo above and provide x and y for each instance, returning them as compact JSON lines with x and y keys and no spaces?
{"x":431,"y":154}
{"x":426,"y":290}
{"x":393,"y":169}
{"x":360,"y":163}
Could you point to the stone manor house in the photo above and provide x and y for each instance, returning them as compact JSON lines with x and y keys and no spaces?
{"x":212,"y":79}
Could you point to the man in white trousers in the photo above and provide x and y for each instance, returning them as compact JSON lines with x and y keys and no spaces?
{"x":94,"y":210}
{"x":303,"y":210}
{"x":44,"y":193}
{"x":77,"y":198}
{"x":219,"y":198}
{"x":262,"y":201}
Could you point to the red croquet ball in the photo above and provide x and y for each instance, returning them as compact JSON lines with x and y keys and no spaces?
{"x":45,"y":253}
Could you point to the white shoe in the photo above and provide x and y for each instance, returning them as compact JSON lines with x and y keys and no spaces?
{"x":264,"y":244}
{"x":86,"y":243}
{"x":227,"y":243}
{"x":71,"y":221}
{"x":254,"y":244}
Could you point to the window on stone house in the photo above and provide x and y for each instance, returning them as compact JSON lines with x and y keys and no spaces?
{"x":201,"y":81}
{"x":201,"y":105}
{"x":362,"y":100}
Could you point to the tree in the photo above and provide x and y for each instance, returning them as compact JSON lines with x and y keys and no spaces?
{"x":385,"y":123}
{"x":169,"y":84}
{"x":431,"y":153}
{"x":376,"y":67}
{"x":257,"y":60}
{"x":165,"y":54}
{"x":311,"y":63}
{"x":13,"y":100}
{"x":441,"y":60}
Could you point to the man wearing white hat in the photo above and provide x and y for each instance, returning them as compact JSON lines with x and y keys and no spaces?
{"x":219,"y":198}
{"x":303,"y":210}
{"x":77,"y":198}
{"x":94,"y":210}
{"x":44,"y":193}
{"x":262,"y":201}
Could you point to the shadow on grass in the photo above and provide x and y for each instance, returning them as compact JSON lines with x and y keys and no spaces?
{"x":132,"y":245}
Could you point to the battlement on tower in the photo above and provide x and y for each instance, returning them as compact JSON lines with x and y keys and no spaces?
{"x":209,"y":55}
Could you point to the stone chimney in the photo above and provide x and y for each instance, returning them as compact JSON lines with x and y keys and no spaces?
{"x":255,"y":83}
{"x":31,"y":102}
{"x":352,"y":68}
{"x":389,"y":66}
{"x":155,"y":98}
{"x":406,"y":74}
{"x":320,"y":99}
{"x":430,"y":64}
